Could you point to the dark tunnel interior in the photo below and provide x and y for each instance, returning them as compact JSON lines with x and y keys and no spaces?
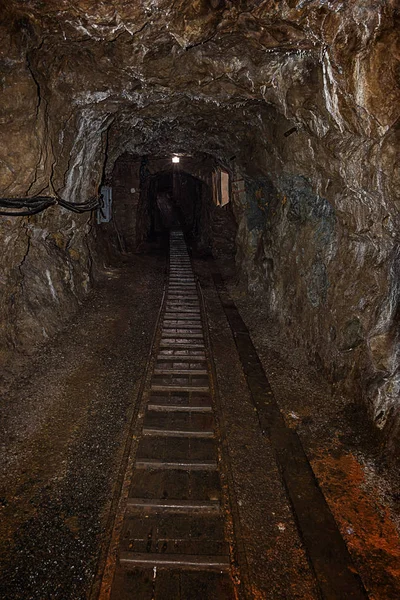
{"x":199,"y":300}
{"x":174,"y":200}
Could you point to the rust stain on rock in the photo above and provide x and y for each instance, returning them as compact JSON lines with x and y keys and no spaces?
{"x":257,"y":594}
{"x":365,"y":523}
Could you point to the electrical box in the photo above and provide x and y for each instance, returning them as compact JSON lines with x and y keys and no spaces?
{"x":104,"y":213}
{"x":221,"y":187}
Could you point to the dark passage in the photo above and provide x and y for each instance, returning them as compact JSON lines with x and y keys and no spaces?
{"x":173,"y":199}
{"x":199,"y":300}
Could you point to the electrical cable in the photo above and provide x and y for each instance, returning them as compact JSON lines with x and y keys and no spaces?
{"x":23,"y":207}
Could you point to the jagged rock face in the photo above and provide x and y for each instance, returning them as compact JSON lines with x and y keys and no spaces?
{"x":305,"y":95}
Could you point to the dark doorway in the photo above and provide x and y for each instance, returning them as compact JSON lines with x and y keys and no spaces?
{"x":172,"y":200}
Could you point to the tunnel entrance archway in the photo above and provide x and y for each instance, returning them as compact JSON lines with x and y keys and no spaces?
{"x":150,"y":196}
{"x":173,"y":199}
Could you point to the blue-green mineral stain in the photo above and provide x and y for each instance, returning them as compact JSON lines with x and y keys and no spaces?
{"x":260,"y":196}
{"x":305,"y":206}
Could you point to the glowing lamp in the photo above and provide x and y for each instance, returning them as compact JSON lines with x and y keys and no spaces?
{"x":175,"y":159}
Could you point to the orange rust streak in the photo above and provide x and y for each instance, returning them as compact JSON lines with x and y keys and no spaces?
{"x":365,"y":523}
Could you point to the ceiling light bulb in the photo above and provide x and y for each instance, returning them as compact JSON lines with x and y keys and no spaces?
{"x":175,"y":159}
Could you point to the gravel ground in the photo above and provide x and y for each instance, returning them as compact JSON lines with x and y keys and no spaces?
{"x":341,"y":444}
{"x":276,"y":565}
{"x":64,"y":426}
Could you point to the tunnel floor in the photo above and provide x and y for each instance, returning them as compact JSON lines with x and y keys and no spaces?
{"x":286,"y":494}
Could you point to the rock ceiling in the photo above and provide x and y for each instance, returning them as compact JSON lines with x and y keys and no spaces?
{"x":207,"y":75}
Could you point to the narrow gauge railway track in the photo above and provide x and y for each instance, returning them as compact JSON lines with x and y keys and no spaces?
{"x":174,"y":535}
{"x":174,"y":530}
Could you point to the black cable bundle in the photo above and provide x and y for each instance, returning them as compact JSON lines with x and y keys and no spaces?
{"x":28,"y":206}
{"x":24,"y":207}
{"x":80,"y":207}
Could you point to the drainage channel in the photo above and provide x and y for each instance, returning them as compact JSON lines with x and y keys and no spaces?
{"x":330,"y":560}
{"x":174,"y":539}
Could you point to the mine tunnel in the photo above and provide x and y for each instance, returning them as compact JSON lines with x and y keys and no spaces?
{"x":200,"y":300}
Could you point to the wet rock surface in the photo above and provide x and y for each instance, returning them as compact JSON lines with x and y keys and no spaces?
{"x":298,"y":99}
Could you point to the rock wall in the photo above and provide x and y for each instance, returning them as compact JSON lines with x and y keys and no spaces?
{"x":45,"y":260}
{"x":303,"y":96}
{"x":333,"y":285}
{"x":45,"y":272}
